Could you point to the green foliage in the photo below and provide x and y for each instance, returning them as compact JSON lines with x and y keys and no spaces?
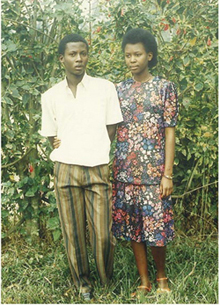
{"x":40,"y":275}
{"x":188,"y":50}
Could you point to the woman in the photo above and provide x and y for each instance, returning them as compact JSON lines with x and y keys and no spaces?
{"x":144,"y":156}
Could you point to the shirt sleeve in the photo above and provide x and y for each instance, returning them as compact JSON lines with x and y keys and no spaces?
{"x":171,"y":106}
{"x":113,"y":110}
{"x":48,"y":119}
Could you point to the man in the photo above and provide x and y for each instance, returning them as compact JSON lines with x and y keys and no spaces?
{"x":83,"y":113}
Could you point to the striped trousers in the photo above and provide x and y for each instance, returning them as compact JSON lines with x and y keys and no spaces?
{"x":84,"y":195}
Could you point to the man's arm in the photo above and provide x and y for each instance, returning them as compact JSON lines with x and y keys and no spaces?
{"x":111,"y":131}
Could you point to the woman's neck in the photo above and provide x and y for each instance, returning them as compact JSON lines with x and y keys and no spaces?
{"x":143,"y":77}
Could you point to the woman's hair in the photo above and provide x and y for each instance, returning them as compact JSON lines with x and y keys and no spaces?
{"x":139,"y":35}
{"x":71,"y":38}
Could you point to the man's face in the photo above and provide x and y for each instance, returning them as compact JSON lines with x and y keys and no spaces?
{"x":75,"y":58}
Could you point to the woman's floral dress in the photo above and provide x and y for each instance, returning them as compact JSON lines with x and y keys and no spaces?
{"x":139,"y":213}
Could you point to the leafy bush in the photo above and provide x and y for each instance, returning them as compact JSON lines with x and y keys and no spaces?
{"x":188,"y":50}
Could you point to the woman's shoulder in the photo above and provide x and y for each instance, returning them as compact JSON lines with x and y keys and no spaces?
{"x":166,"y":88}
{"x":125,"y":84}
{"x":162,"y":82}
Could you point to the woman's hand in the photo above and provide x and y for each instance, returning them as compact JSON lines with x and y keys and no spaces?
{"x":56,"y":143}
{"x":166,"y":187}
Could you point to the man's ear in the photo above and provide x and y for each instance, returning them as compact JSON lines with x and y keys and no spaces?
{"x":61,"y":58}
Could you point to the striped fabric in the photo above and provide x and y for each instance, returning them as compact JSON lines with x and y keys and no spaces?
{"x":85,"y":193}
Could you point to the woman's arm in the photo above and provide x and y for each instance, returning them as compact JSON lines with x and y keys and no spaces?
{"x":166,"y":186}
{"x":111,"y":131}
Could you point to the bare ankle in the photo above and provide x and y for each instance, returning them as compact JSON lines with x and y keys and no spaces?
{"x":145,"y":282}
{"x":162,"y":282}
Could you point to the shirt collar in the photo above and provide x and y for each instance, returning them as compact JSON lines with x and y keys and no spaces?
{"x":84,"y":82}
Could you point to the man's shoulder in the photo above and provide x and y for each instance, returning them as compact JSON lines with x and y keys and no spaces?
{"x":55,"y":88}
{"x":100,"y":81}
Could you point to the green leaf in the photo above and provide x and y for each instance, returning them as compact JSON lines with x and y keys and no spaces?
{"x":22,"y":182}
{"x":4,"y":213}
{"x":53,"y":223}
{"x":4,"y":47}
{"x":15,"y":93}
{"x":3,"y":235}
{"x":11,"y":46}
{"x":23,"y":205}
{"x":56,"y":235}
{"x":198,"y":86}
{"x":30,"y":193}
{"x":186,"y":61}
{"x":183,"y":151}
{"x":8,"y":100}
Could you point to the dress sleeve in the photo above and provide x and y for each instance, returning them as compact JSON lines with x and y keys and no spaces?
{"x":113,"y":110}
{"x":171,"y":106}
{"x":48,"y":120}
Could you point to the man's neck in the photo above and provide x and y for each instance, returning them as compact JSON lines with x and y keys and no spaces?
{"x":74,"y":80}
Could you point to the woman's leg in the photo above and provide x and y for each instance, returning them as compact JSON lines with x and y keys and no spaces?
{"x":140,"y":253}
{"x":159,"y":255}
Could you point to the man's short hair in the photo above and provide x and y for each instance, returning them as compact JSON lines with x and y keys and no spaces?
{"x":71,"y":38}
{"x":139,"y":35}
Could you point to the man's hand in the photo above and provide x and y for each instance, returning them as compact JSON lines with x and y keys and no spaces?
{"x":56,"y":143}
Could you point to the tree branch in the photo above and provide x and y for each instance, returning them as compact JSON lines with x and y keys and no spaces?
{"x":17,"y":161}
{"x":29,"y":26}
{"x":14,"y":228}
{"x":181,"y":196}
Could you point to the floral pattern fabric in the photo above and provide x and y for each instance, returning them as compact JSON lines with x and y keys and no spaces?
{"x":147,"y":108}
{"x":139,"y":212}
{"x":141,"y":215}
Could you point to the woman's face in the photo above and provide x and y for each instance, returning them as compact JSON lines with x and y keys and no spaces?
{"x":137,"y":58}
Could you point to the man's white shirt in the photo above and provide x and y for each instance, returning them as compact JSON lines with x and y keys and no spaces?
{"x":80,"y":122}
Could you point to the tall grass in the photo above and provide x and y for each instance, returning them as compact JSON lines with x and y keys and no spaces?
{"x":40,"y":275}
